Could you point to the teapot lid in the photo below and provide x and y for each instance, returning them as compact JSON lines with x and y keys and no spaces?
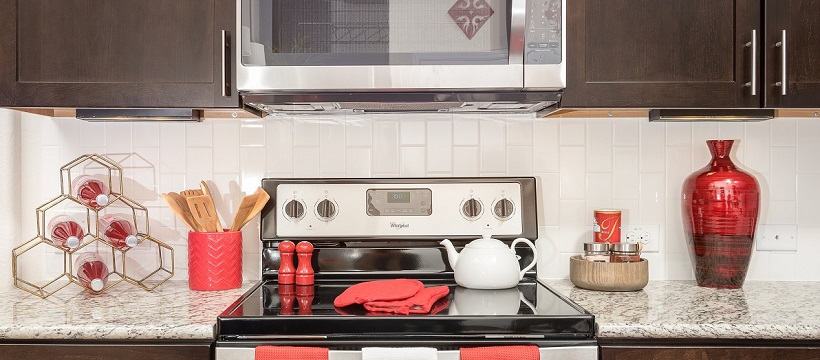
{"x":486,"y":242}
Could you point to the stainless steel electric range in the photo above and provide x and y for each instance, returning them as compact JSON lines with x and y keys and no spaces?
{"x":371,"y":229}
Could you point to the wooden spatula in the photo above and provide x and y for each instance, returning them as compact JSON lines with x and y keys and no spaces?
{"x":202,"y":209}
{"x":261,"y":200}
{"x":179,"y":206}
{"x":245,"y":208}
{"x":207,"y":191}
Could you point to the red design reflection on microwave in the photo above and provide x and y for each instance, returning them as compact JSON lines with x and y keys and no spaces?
{"x":470,"y":15}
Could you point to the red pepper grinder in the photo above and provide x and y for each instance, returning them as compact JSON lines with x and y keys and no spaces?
{"x":304,"y":273}
{"x":286,"y":268}
{"x":304,"y":295}
{"x":286,"y":297}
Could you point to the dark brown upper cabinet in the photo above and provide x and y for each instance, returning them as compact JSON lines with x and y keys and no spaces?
{"x":797,"y":24}
{"x":692,"y":53}
{"x":125,"y":53}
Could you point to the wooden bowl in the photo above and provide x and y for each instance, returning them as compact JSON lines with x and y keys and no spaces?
{"x":608,"y":276}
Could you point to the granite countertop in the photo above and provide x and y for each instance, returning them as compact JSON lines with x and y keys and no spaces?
{"x":681,"y":309}
{"x":663,"y":309}
{"x":171,"y":311}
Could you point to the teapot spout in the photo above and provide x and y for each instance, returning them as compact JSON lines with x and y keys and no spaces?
{"x":452,"y":254}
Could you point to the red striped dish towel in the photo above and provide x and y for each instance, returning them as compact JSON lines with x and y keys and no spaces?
{"x":527,"y":352}
{"x":290,"y":353}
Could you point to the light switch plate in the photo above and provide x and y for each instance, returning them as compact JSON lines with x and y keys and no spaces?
{"x":776,"y":238}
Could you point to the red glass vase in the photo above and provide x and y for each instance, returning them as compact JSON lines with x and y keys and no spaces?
{"x":720,"y":209}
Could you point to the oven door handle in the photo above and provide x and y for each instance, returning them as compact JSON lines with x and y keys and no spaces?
{"x":547,"y":353}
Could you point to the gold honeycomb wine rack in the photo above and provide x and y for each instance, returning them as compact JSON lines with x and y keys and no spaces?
{"x":61,"y":273}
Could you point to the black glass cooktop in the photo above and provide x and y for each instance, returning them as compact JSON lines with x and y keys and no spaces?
{"x":531,"y":310}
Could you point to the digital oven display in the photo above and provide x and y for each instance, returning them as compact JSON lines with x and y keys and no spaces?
{"x":398,"y":197}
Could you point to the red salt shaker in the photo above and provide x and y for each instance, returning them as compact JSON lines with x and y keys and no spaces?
{"x":304,"y":273}
{"x":287,"y":269}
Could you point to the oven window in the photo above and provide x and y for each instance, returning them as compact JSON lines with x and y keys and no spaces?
{"x":374,"y":32}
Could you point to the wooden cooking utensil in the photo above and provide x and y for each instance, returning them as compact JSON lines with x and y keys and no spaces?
{"x":261,"y":200}
{"x":245,"y":208}
{"x":206,"y":191}
{"x":202,"y":209}
{"x":189,"y":193}
{"x":179,"y":206}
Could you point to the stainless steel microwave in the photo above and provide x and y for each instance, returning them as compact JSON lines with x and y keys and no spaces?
{"x":322,"y":50}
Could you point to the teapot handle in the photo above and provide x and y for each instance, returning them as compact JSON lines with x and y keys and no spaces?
{"x":534,"y":254}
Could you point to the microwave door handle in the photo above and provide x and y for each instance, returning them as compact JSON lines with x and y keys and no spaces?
{"x":518,"y":12}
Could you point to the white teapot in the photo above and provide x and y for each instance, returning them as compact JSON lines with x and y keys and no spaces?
{"x":487,"y":263}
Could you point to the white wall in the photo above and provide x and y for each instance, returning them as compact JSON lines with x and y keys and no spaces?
{"x":581,"y":164}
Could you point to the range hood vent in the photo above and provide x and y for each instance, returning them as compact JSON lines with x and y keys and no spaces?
{"x":711,"y":114}
{"x":540,"y":103}
{"x":139,"y":115}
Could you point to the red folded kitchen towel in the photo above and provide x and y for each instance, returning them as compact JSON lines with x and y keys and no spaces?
{"x":379,"y":290}
{"x":290,"y":353}
{"x":519,"y":352}
{"x":421,"y":303}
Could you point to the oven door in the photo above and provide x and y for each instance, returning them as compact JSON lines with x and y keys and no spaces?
{"x":547,"y":353}
{"x":397,"y":45}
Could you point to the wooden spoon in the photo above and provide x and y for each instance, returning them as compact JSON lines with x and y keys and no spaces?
{"x":261,"y":200}
{"x":202,"y":209}
{"x":245,"y":208}
{"x":179,"y":206}
{"x":207,"y":191}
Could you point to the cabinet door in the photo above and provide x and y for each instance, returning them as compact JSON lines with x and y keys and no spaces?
{"x":103,"y":351}
{"x":799,"y":22}
{"x":125,"y":53}
{"x":671,"y":53}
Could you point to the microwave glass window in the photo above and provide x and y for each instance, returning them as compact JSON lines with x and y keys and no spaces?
{"x":374,"y":32}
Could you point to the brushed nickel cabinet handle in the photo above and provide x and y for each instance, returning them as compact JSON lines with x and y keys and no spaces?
{"x":782,"y":45}
{"x":226,"y":90}
{"x":753,"y":45}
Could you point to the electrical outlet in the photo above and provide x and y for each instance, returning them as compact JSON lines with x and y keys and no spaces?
{"x":776,"y":238}
{"x":648,"y":235}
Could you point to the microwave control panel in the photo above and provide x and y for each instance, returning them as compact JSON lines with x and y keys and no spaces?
{"x":544,"y":32}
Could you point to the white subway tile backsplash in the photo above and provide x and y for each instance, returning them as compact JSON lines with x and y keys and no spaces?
{"x":519,"y":131}
{"x":626,"y":131}
{"x":572,"y":132}
{"x":808,"y":193}
{"x":358,"y":162}
{"x":784,"y":131}
{"x":413,"y":132}
{"x":493,"y":135}
{"x":226,"y":147}
{"x":653,"y":145}
{"x":465,"y":161}
{"x":519,"y":160}
{"x":465,"y":131}
{"x":580,"y":165}
{"x":626,"y":172}
{"x":599,"y":145}
{"x":439,"y":146}
{"x":573,"y":169}
{"x":199,"y":134}
{"x":808,"y":141}
{"x":678,"y":133}
{"x":252,"y":132}
{"x":412,"y":162}
{"x":783,"y":180}
{"x":545,"y":145}
{"x":358,"y":131}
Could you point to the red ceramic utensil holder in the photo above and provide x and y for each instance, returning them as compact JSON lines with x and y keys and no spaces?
{"x":214,"y":260}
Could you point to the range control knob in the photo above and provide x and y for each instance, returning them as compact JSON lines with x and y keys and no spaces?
{"x":503,"y":209}
{"x":471,"y":209}
{"x":326,"y":210}
{"x":294,"y":209}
